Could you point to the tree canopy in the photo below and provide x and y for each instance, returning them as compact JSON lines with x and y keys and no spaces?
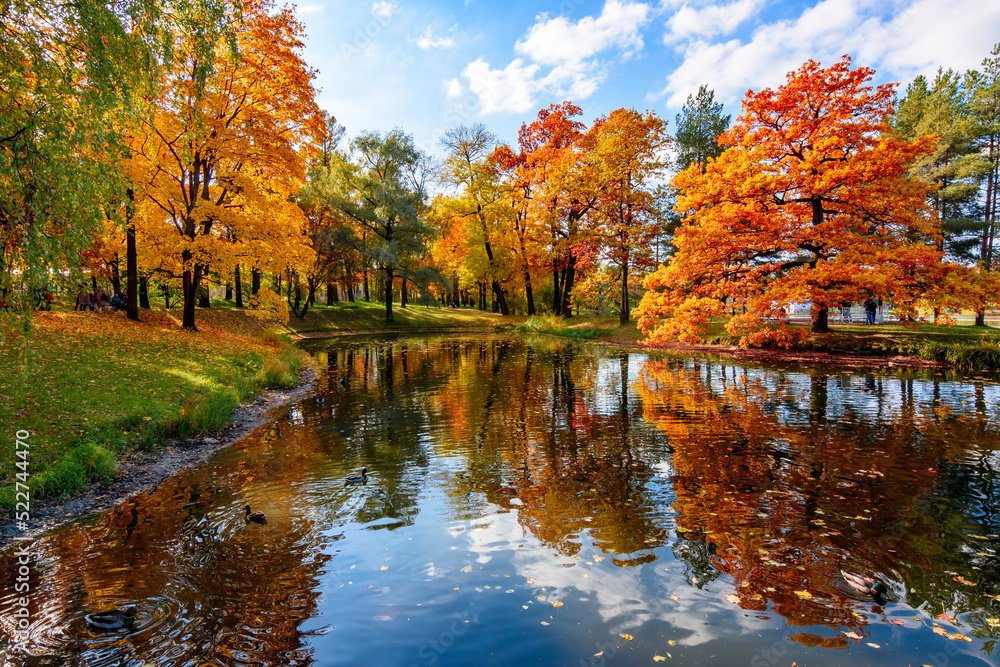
{"x":811,"y":201}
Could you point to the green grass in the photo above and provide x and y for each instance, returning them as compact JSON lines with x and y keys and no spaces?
{"x":362,"y":316}
{"x":93,"y":387}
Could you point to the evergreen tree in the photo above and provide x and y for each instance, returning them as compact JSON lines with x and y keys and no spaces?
{"x":955,"y":167}
{"x":699,"y":123}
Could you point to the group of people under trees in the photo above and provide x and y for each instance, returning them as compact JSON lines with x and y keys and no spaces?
{"x":99,"y":300}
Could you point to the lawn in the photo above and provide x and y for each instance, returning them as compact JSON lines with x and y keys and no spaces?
{"x":363,"y":316}
{"x":91,"y":386}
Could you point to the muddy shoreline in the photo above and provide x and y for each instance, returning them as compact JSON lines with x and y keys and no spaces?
{"x":847,"y":359}
{"x":141,"y":472}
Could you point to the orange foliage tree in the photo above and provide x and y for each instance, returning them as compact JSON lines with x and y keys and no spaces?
{"x":630,"y":155}
{"x":219,"y":163}
{"x":810,"y":202}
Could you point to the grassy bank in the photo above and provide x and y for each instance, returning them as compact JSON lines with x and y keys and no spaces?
{"x":362,"y":316}
{"x":91,"y":387}
{"x":965,"y":347}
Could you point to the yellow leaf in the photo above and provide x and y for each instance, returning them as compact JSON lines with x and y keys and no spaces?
{"x":658,"y":658}
{"x":557,"y":603}
{"x":384,"y":567}
{"x":624,"y":635}
{"x":805,"y":595}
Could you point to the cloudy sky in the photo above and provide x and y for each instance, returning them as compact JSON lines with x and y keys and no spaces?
{"x":429,"y":65}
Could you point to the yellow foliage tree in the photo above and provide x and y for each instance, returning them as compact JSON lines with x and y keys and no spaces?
{"x":216,"y":165}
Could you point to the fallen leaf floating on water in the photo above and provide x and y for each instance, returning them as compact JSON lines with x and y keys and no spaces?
{"x":873,"y":645}
{"x":674,"y":597}
{"x":626,"y":636}
{"x":805,"y":595}
{"x":946,"y":617}
{"x":735,"y":599}
{"x":384,"y":567}
{"x":671,"y":642}
{"x":852,"y":634}
{"x":963,"y":580}
{"x":658,"y":658}
{"x":545,"y":622}
{"x":896,"y":621}
{"x":557,"y":603}
{"x":467,"y":568}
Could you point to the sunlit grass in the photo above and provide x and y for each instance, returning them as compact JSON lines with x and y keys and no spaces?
{"x":90,"y":387}
{"x":363,"y":316}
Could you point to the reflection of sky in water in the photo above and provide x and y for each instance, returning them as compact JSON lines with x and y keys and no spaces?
{"x":519,"y":510}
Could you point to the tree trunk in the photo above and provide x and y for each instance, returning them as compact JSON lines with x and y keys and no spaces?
{"x":455,"y":298}
{"x":527,"y":292}
{"x":388,"y":294}
{"x":623,"y":304}
{"x":568,"y":288}
{"x":350,"y":293}
{"x":402,"y":292}
{"x":238,"y":283}
{"x":332,"y":296}
{"x":191,"y":283}
{"x":820,"y":319}
{"x":368,"y":296}
{"x":204,"y":295}
{"x":131,"y":262}
{"x":144,"y":292}
{"x":557,"y":292}
{"x":229,"y":291}
{"x":116,"y":280}
{"x":254,"y":282}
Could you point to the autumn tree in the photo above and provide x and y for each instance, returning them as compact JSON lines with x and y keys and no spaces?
{"x":67,"y":74}
{"x":224,"y":160}
{"x":557,"y":150}
{"x":809,"y":202}
{"x":518,"y":186}
{"x":467,"y":167}
{"x":629,"y":156}
{"x":383,"y":188}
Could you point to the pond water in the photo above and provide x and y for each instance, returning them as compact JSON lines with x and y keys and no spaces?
{"x":540,"y":502}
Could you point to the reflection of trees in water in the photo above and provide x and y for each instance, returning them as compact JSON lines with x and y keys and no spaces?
{"x":792,"y":478}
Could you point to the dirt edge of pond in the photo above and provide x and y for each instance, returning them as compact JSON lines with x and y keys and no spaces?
{"x":140,"y":472}
{"x":854,"y":360}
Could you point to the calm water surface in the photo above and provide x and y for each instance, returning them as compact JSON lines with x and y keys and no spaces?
{"x":538,"y":502}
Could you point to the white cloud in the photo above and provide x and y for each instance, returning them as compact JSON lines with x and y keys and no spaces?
{"x":455,"y":89}
{"x":508,"y":90}
{"x":922,"y":36}
{"x":556,"y":41}
{"x":427,"y":41}
{"x":568,"y":49}
{"x":709,"y":21}
{"x":308,"y":9}
{"x":823,"y":32}
{"x":384,"y":10}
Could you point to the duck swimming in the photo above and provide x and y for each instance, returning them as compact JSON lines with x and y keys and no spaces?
{"x":255,"y":516}
{"x":876,"y":589}
{"x":115,"y":619}
{"x":354,"y":479}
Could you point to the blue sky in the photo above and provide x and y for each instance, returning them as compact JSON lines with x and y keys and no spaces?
{"x":428,"y":66}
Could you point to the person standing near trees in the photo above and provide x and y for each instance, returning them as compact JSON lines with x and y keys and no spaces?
{"x":870,"y":309}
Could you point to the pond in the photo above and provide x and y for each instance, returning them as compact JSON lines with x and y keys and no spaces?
{"x":534,"y":501}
